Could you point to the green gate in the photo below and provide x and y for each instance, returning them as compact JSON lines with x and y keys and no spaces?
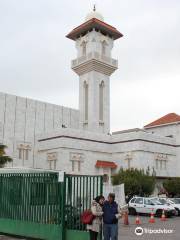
{"x":80,"y":191}
{"x":37,"y":205}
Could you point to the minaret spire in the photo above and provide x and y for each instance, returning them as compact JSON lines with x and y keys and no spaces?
{"x":94,"y":7}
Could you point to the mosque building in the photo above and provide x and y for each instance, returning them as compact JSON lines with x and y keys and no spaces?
{"x":47,"y":136}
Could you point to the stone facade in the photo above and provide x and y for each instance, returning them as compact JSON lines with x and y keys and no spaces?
{"x":21,"y":119}
{"x":46,"y":136}
{"x":94,"y":65}
{"x":139,"y":149}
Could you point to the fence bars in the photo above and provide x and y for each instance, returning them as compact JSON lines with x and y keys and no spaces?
{"x":40,"y":198}
{"x":80,"y":192}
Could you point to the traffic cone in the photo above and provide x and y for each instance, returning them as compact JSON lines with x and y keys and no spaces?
{"x":137,"y":222}
{"x":152,"y":220}
{"x":163,"y":216}
{"x":126,"y":220}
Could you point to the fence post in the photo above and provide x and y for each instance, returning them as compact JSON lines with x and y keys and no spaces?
{"x":63,"y":208}
{"x":101,"y":189}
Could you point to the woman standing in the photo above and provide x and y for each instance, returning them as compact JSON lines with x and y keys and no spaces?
{"x":96,"y":209}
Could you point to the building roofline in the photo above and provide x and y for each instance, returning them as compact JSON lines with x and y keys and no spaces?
{"x":161,"y":125}
{"x":168,"y":119}
{"x":128,"y":131}
{"x":94,"y":23}
{"x":105,"y":142}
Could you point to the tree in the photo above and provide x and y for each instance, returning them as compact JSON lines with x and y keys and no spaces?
{"x":3,"y":157}
{"x":172,"y":186}
{"x":136,"y":182}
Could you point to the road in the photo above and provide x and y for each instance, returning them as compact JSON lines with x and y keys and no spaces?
{"x":172,"y":225}
{"x":128,"y":232}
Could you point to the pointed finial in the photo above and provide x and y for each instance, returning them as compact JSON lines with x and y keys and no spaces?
{"x":94,"y":8}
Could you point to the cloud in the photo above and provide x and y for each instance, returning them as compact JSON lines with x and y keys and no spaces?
{"x":35,"y":55}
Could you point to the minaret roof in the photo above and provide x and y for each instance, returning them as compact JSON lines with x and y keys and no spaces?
{"x":96,"y":24}
{"x":94,"y":14}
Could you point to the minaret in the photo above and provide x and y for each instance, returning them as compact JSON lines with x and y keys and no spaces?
{"x":94,"y":42}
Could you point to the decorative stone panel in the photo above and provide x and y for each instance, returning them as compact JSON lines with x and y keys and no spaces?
{"x":26,"y":146}
{"x":52,"y":156}
{"x":77,"y":157}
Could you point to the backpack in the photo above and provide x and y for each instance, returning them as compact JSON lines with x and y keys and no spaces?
{"x":87,"y":217}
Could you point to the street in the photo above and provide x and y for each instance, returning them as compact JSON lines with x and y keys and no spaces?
{"x":128,"y":232}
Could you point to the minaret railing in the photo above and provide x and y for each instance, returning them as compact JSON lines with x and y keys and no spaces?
{"x":96,"y":56}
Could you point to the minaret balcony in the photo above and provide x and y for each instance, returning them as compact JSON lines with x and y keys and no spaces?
{"x":94,"y":61}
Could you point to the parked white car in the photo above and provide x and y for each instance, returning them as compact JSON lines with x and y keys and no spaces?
{"x":147,"y":205}
{"x":175,"y":202}
{"x":166,"y":202}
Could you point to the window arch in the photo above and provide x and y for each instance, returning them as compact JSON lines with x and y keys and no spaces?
{"x":101,"y":101}
{"x":83,"y":45}
{"x":104,"y":45}
{"x":86,"y":93}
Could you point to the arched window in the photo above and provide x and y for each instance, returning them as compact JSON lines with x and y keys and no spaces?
{"x":104,"y":44}
{"x":101,"y":101}
{"x":83,"y":48}
{"x":86,"y":101}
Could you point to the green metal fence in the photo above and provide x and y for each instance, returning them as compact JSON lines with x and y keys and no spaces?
{"x":80,"y":191}
{"x":37,"y":205}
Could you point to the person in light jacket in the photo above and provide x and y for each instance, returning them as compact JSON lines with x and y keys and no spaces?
{"x":96,"y":208}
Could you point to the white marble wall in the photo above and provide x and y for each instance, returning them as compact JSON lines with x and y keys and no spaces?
{"x":93,"y":42}
{"x":26,"y":121}
{"x":172,"y":130}
{"x":94,"y":79}
{"x":21,"y":119}
{"x":167,"y":130}
{"x":142,"y":148}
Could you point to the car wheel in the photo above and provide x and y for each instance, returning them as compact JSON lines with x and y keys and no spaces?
{"x":132,"y":211}
{"x":178,"y":212}
{"x":159,"y":213}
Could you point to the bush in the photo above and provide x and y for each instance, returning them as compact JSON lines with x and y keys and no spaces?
{"x":3,"y":157}
{"x":172,"y":186}
{"x":137,"y":182}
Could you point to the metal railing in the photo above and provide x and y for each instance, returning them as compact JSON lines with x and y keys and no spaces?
{"x":30,"y":197}
{"x":80,"y":191}
{"x":39,"y":198}
{"x":94,"y":55}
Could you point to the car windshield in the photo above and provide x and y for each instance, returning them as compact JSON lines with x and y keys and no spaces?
{"x":163,"y":201}
{"x":148,"y":201}
{"x":176,"y":200}
{"x":155,"y":201}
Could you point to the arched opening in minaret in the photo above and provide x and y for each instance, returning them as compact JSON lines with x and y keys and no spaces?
{"x":104,"y":45}
{"x":101,"y":101}
{"x":83,"y":45}
{"x":86,"y":101}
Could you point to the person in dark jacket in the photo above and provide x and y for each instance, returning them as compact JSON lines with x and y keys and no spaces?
{"x":110,"y":218}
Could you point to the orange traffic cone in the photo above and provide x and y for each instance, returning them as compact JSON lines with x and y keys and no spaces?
{"x":137,"y":220}
{"x":126,"y":220}
{"x":163,"y":216}
{"x":152,"y":220}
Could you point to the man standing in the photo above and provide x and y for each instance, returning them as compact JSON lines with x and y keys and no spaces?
{"x":110,"y":218}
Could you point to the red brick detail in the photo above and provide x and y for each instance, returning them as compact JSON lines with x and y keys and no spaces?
{"x":105,"y":164}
